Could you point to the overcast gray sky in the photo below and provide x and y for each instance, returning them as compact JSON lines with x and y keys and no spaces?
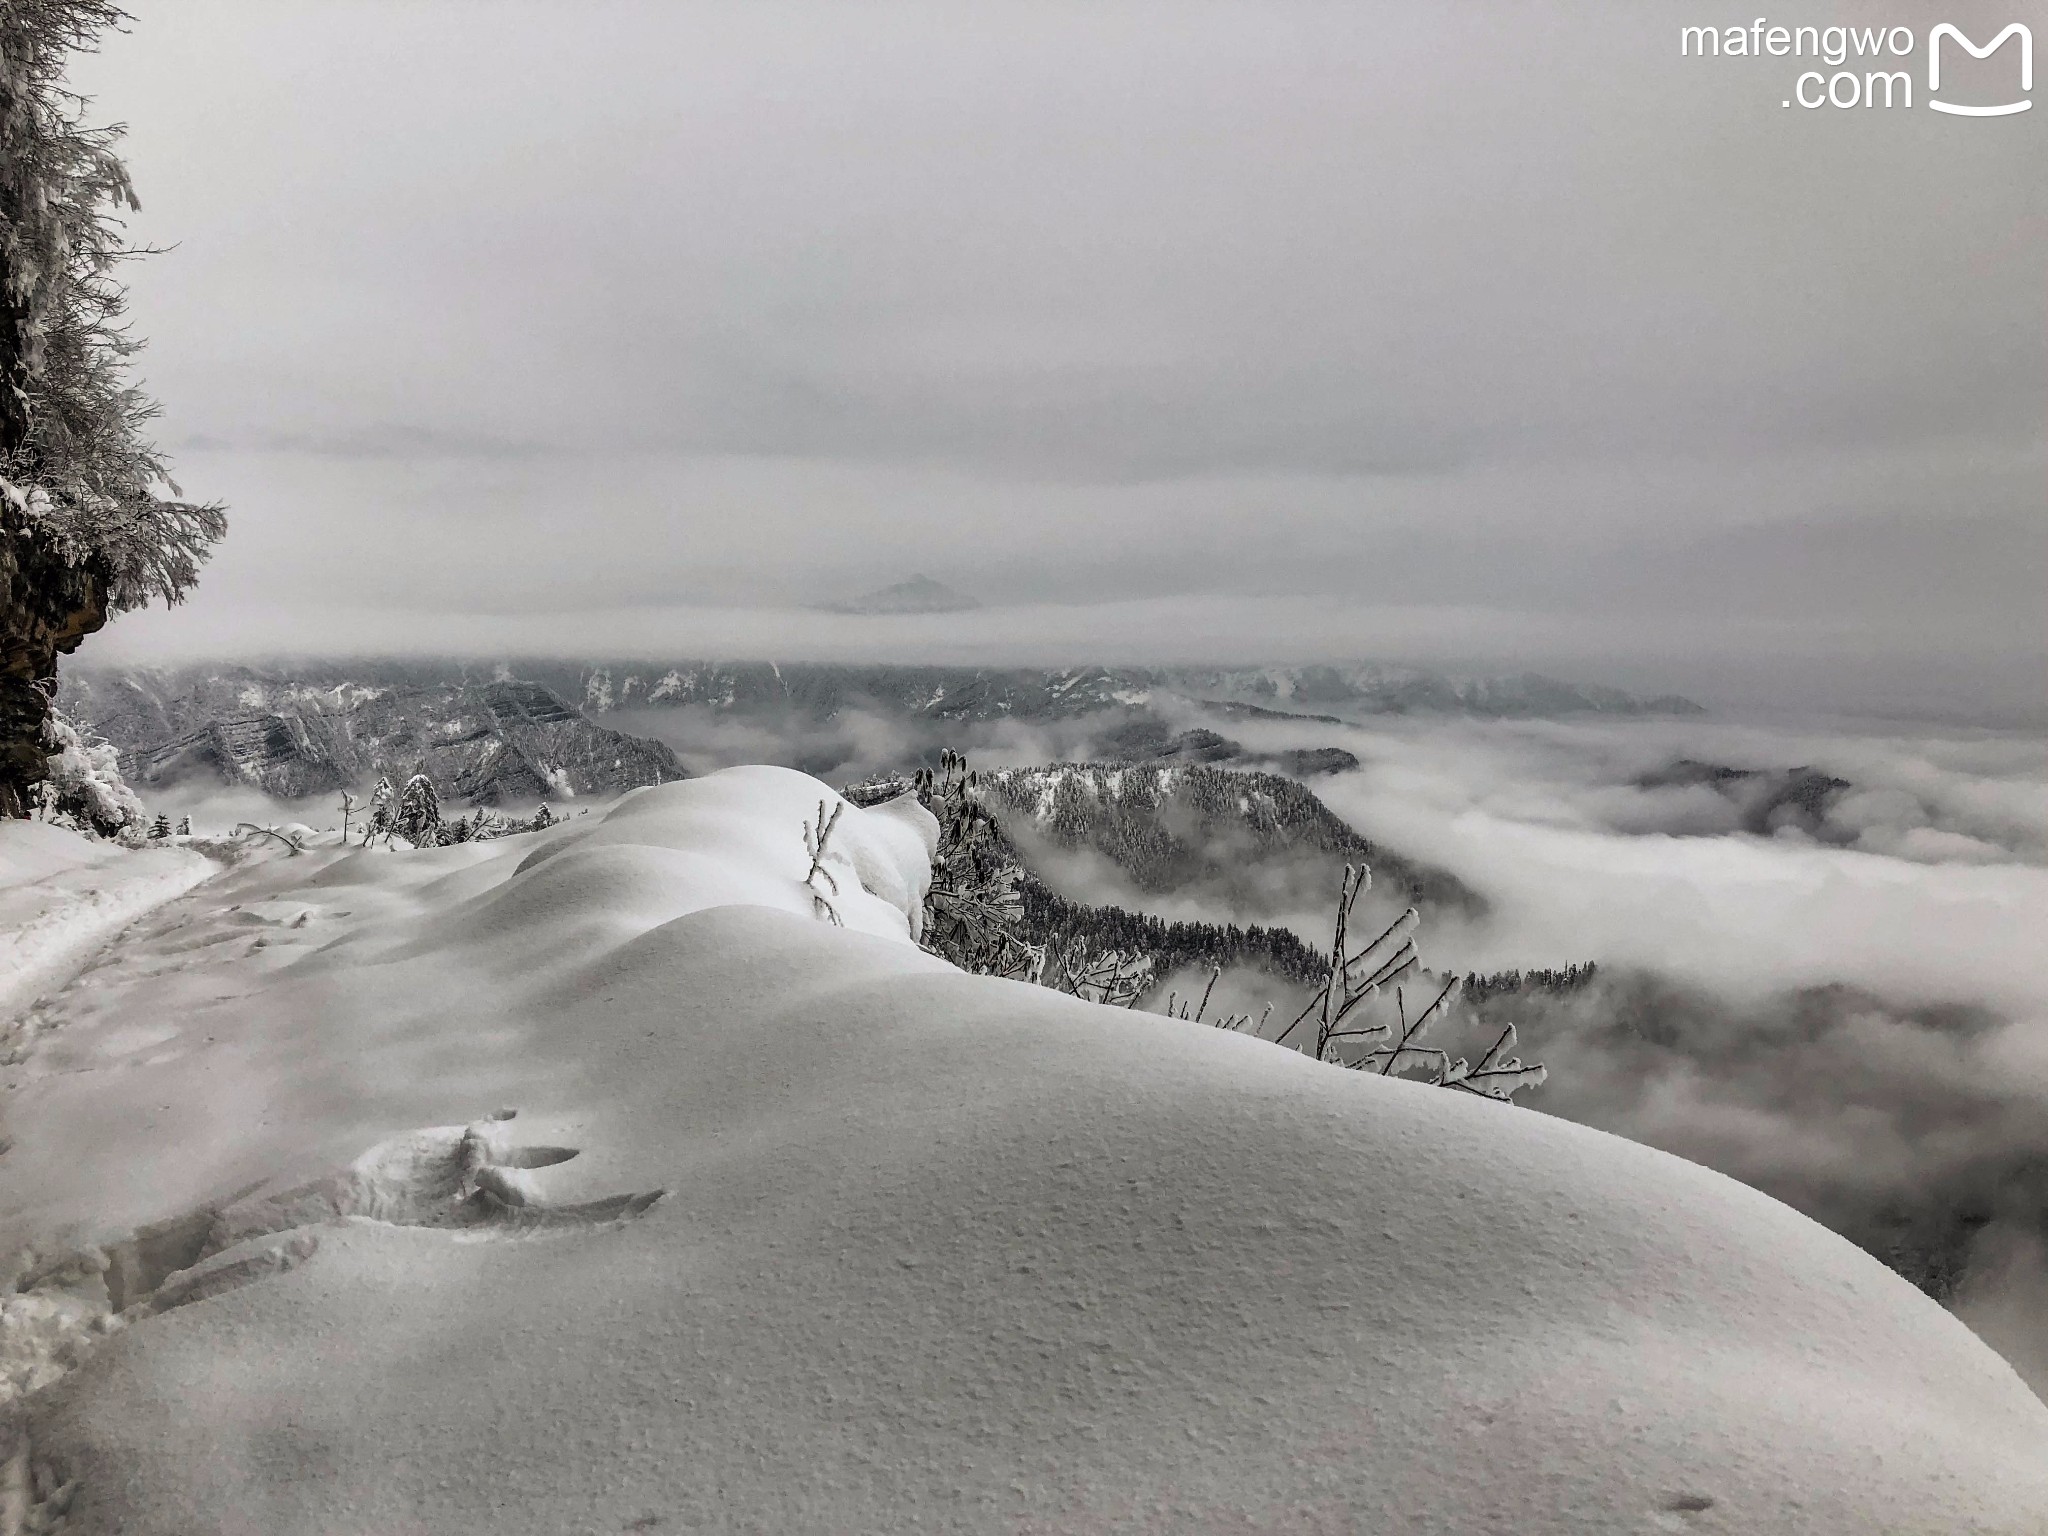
{"x":1475,"y":333}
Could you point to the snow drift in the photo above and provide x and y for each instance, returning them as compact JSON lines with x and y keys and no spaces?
{"x":930,"y":1250}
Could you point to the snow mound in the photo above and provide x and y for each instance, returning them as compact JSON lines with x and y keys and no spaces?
{"x":799,"y":1229}
{"x":745,"y":826}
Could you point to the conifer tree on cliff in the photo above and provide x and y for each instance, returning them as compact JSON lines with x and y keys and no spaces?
{"x":90,"y":523}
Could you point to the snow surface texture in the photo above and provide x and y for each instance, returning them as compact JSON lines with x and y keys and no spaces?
{"x":936,"y":1251}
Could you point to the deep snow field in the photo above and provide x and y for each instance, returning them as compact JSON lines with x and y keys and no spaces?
{"x":602,"y":1180}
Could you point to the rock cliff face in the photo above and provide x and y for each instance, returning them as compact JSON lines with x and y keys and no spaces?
{"x":489,"y":742}
{"x":46,"y":607}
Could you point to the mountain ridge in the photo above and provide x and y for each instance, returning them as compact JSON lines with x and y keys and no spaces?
{"x":494,"y":742}
{"x":946,"y":692}
{"x":988,"y":693}
{"x":919,"y":594}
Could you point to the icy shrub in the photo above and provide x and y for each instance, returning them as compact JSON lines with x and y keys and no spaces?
{"x":1394,"y":1048}
{"x":85,"y":788}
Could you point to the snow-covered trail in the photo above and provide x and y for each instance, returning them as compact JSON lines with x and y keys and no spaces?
{"x":110,"y":1031}
{"x":63,"y":898}
{"x":797,"y":1228}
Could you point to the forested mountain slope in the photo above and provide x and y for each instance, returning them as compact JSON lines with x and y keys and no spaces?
{"x":1256,"y":840}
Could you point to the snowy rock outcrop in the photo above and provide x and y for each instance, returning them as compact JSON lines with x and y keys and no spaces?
{"x":48,"y":604}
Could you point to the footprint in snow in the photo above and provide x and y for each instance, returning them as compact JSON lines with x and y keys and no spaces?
{"x":464,"y":1177}
{"x":54,"y":1307}
{"x":467,"y":1179}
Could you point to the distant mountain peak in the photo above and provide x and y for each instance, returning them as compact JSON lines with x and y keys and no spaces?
{"x":920,"y":594}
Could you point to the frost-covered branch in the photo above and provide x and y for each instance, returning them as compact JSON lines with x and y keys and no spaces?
{"x":1395,"y":1049}
{"x":1198,"y":1012}
{"x":1496,"y":1076}
{"x":823,"y":886}
{"x":1109,"y":976}
{"x":292,"y":844}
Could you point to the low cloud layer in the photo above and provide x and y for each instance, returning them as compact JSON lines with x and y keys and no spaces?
{"x":1242,"y":329}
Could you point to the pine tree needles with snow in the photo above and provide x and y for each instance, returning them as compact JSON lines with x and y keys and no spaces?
{"x":75,"y":460}
{"x":418,"y":818}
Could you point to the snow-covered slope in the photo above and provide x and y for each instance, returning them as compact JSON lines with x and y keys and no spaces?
{"x":935,"y":1251}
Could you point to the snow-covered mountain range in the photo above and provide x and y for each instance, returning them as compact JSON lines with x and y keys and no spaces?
{"x":1026,"y":693}
{"x":299,"y":733}
{"x":510,"y":731}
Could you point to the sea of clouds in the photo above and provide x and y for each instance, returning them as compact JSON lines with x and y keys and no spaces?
{"x":1852,"y":1016}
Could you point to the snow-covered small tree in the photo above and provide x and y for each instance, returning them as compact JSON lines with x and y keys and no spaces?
{"x":85,"y":787}
{"x":478,"y":826}
{"x":543,"y":818}
{"x":184,"y":826}
{"x":973,"y":907}
{"x":418,"y":818}
{"x":383,"y":810}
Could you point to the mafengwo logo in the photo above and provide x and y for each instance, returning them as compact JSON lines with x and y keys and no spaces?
{"x":1946,"y":31}
{"x":1888,"y":85}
